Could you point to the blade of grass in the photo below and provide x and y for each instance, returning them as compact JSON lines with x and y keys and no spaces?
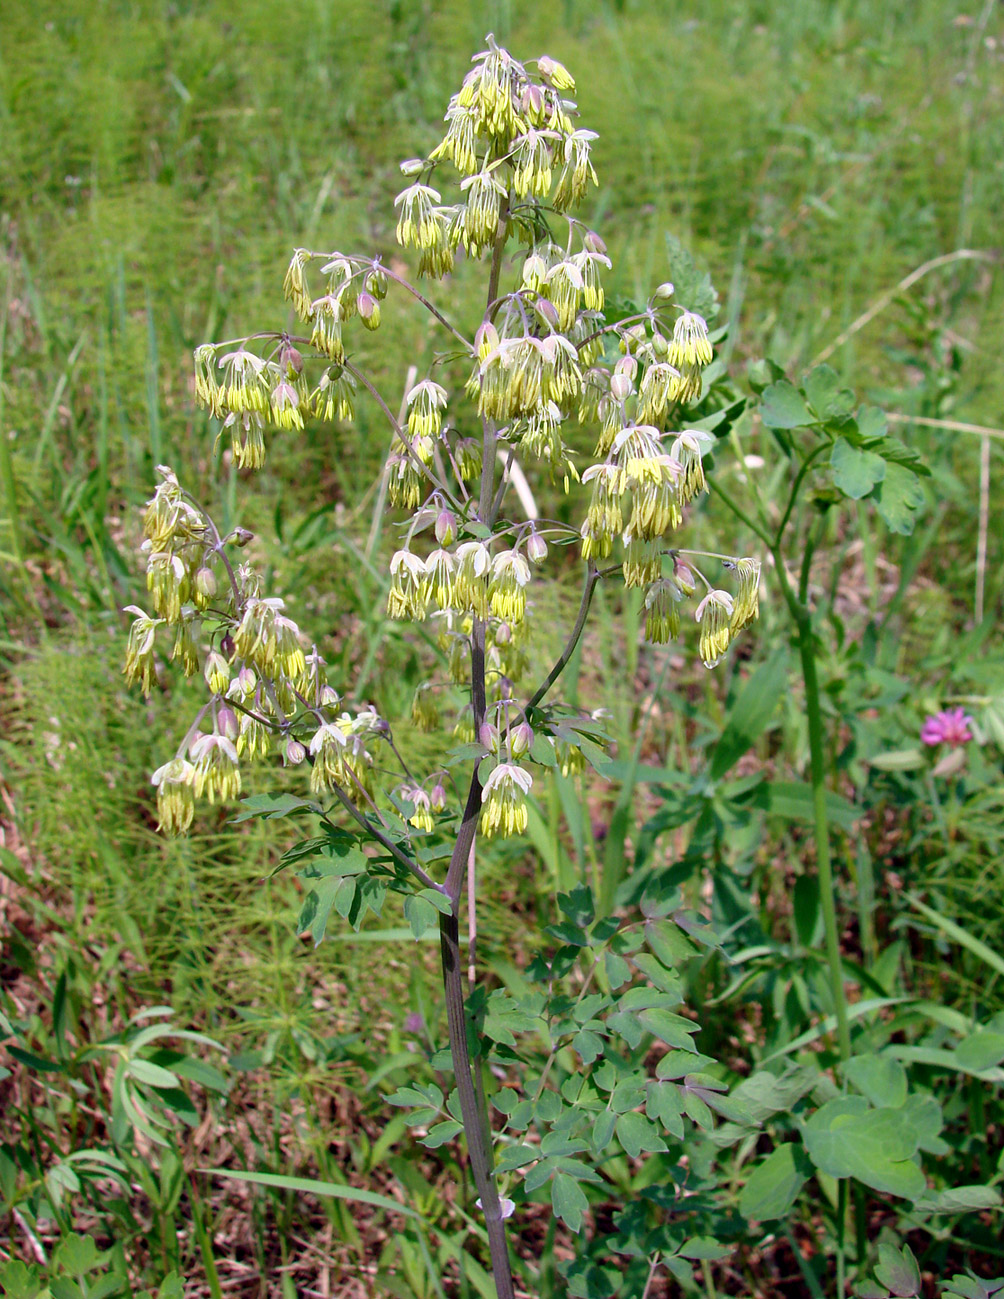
{"x":205,"y":1246}
{"x":951,"y":930}
{"x":308,"y":1186}
{"x":57,"y":395}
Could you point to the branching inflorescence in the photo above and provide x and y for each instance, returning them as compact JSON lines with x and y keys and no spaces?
{"x":545,"y":377}
{"x":546,"y":374}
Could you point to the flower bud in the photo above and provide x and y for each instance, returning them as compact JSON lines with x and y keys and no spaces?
{"x":227,"y":646}
{"x":369,"y":310}
{"x":376,"y":283}
{"x":664,"y":292}
{"x":621,"y":387}
{"x":549,"y":311}
{"x":437,"y":797}
{"x":412,"y":166}
{"x":555,"y":73}
{"x":205,"y":582}
{"x":290,"y":360}
{"x":328,"y":696}
{"x":660,"y":345}
{"x":627,"y":365}
{"x":521,"y":738}
{"x":532,"y":100}
{"x":226,"y":723}
{"x":294,"y":753}
{"x":593,"y":243}
{"x":503,"y":634}
{"x":247,"y":680}
{"x":488,"y":737}
{"x":684,"y":577}
{"x":536,"y":547}
{"x":446,"y":527}
{"x":241,"y":537}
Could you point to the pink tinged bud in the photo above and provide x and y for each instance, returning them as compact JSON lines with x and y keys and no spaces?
{"x":549,"y":311}
{"x":226,"y":723}
{"x":533,"y":100}
{"x":290,"y":359}
{"x":446,"y":527}
{"x":369,"y":310}
{"x":205,"y":583}
{"x":556,"y":73}
{"x":437,"y":797}
{"x":621,"y":387}
{"x":592,"y":241}
{"x":664,"y":292}
{"x":294,"y":753}
{"x":246,"y":679}
{"x":503,"y":634}
{"x":488,"y":735}
{"x":684,"y":577}
{"x":536,"y":547}
{"x":522,"y":739}
{"x":627,"y":365}
{"x":227,"y":646}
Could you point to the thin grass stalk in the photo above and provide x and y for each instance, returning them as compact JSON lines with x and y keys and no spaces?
{"x":821,"y":829}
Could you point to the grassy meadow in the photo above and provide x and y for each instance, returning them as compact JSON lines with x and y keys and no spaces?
{"x":837,"y":167}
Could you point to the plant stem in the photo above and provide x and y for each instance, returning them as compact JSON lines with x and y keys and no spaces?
{"x":477,"y":1139}
{"x":817,"y":760}
{"x":474,"y":1114}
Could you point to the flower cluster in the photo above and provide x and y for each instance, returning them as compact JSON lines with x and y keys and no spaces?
{"x":262,"y":684}
{"x":950,"y":726}
{"x":544,"y":379}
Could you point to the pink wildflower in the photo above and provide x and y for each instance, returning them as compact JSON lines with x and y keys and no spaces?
{"x":950,"y":726}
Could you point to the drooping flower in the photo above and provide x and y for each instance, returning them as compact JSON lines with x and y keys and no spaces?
{"x":421,"y":816}
{"x":503,"y":800}
{"x":139,"y":665}
{"x":747,"y":600}
{"x":713,"y":615}
{"x":950,"y":726}
{"x":174,"y":782}
{"x":327,"y":748}
{"x":507,"y":586}
{"x":217,"y":772}
{"x":416,"y":224}
{"x":426,"y":402}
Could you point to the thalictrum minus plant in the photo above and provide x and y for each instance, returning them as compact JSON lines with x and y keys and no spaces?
{"x":544,"y":377}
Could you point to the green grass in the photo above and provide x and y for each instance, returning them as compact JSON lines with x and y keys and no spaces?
{"x":159,"y":162}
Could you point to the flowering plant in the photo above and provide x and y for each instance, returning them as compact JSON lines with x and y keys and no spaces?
{"x":950,"y":726}
{"x":548,"y":377}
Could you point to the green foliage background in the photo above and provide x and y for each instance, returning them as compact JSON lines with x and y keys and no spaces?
{"x":158,"y":161}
